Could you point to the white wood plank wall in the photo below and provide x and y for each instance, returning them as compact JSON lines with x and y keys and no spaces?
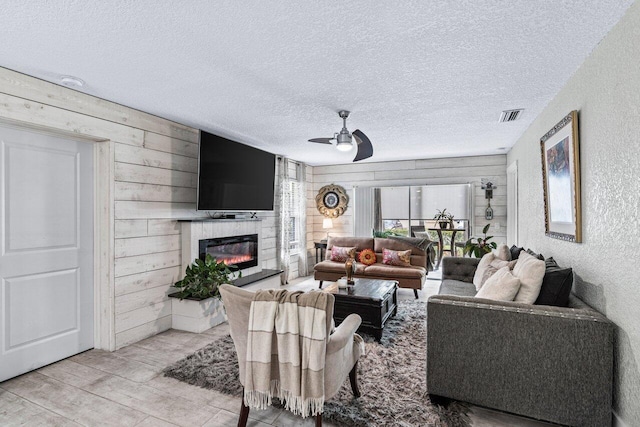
{"x":154,"y":183}
{"x":457,"y":170}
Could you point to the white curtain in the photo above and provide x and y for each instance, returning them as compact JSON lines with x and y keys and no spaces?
{"x":301,"y":184}
{"x":291,"y":216}
{"x":283,"y":218}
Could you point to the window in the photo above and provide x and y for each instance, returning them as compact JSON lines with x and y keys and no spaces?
{"x":295,"y":216}
{"x":395,"y":210}
{"x":404,"y":210}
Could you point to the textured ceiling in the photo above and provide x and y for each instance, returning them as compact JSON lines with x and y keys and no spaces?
{"x":422,"y":78}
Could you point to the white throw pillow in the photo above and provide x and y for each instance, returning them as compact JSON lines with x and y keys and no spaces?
{"x":484,"y":271}
{"x":530,"y":271}
{"x":503,"y":252}
{"x":483,"y":265}
{"x":502,"y":286}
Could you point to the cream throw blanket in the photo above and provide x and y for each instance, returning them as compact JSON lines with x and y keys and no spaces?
{"x":286,"y":348}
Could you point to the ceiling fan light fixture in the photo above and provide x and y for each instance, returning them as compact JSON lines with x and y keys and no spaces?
{"x":344,"y":146}
{"x":345,"y":140}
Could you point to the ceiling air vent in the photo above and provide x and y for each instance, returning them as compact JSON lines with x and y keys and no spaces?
{"x":510,"y":115}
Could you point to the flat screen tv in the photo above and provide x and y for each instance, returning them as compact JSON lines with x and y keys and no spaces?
{"x":233,"y":176}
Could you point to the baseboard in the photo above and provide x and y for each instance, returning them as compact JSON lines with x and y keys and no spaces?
{"x":617,"y":421}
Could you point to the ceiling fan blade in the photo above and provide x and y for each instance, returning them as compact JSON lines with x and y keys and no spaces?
{"x":365,"y":149}
{"x":322,"y":140}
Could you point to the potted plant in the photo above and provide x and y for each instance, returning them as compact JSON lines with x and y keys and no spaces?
{"x":450,"y":218}
{"x":443,"y":218}
{"x":479,"y":246}
{"x":196,"y":306}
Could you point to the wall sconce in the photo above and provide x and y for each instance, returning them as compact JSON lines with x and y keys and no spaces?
{"x":327,"y":224}
{"x":488,"y":187}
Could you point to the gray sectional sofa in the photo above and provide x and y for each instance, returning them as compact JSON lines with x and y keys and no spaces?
{"x":544,"y":362}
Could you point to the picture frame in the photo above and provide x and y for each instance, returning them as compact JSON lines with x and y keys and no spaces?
{"x":332,"y":200}
{"x":560,"y":153}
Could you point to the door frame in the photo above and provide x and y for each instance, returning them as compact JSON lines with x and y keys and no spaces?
{"x":104,"y":336}
{"x":512,"y":202}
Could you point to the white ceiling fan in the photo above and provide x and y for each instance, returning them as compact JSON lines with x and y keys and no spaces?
{"x":344,"y":139}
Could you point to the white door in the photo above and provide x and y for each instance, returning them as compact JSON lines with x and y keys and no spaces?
{"x":512,"y":204}
{"x":46,"y":254}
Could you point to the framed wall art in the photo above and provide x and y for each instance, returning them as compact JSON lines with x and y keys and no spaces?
{"x":561,"y":180}
{"x":332,"y":200}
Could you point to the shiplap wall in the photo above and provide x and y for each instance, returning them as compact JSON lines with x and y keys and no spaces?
{"x":457,"y":170}
{"x":155,"y":166}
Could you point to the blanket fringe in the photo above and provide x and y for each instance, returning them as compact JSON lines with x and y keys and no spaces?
{"x":308,"y":407}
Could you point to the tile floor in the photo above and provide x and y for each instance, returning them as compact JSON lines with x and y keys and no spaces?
{"x":127,"y":388}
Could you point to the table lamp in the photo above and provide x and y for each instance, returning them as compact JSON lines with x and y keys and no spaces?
{"x":327,"y":224}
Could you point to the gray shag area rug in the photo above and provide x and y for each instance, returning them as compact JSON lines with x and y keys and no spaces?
{"x":391,"y":377}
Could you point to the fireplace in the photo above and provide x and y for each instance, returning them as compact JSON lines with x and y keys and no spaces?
{"x":241,"y":251}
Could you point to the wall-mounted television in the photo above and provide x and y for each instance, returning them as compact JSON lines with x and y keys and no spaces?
{"x":233,"y":176}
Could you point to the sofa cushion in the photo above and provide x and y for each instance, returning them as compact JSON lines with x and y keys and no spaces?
{"x":530,"y":271}
{"x":457,"y":288}
{"x":399,"y":258}
{"x":336,"y":267}
{"x":367,"y":257}
{"x":418,"y":256}
{"x":502,"y":286}
{"x":341,"y":253}
{"x":392,"y":272}
{"x":556,"y":285}
{"x":360,"y":243}
{"x":381,"y":243}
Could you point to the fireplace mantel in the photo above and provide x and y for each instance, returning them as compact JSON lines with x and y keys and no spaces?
{"x":217,"y":219}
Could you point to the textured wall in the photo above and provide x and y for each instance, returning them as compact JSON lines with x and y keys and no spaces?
{"x":606,"y":92}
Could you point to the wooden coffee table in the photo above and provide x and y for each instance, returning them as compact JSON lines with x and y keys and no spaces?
{"x":374,"y":300}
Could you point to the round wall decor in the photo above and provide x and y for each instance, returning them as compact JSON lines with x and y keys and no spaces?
{"x":332,"y":200}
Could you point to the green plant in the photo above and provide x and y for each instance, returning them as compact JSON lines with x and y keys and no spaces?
{"x":478,"y":246}
{"x":202,"y":278}
{"x":442,"y":216}
{"x":389,"y":233}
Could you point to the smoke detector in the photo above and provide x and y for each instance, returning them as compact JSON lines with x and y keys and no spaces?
{"x":510,"y":115}
{"x":72,"y":82}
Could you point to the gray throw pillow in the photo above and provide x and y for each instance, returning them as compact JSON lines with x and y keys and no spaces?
{"x":515,"y":251}
{"x":533,"y":254}
{"x":556,"y":285}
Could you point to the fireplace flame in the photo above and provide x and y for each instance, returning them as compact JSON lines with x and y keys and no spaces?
{"x":236,"y":259}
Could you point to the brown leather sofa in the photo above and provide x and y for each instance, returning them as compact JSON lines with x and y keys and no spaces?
{"x":411,"y":277}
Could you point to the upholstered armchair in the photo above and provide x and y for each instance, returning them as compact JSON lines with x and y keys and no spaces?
{"x":342,"y":351}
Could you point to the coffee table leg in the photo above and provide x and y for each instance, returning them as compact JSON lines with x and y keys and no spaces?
{"x":378,"y":334}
